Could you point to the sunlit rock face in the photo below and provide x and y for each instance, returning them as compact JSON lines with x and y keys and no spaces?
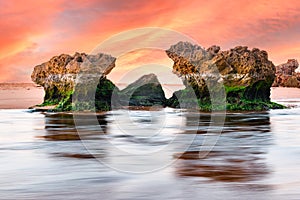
{"x":58,"y":75}
{"x":247,"y":75}
{"x":286,"y":75}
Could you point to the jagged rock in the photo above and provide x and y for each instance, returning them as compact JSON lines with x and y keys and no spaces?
{"x":286,"y":75}
{"x":287,"y":68}
{"x":58,"y":75}
{"x":213,"y":50}
{"x":146,"y":91}
{"x":247,"y":75}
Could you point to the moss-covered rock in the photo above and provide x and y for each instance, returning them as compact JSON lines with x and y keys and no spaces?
{"x":237,"y":99}
{"x":146,"y":91}
{"x":100,"y":102}
{"x":185,"y":98}
{"x":103,"y":95}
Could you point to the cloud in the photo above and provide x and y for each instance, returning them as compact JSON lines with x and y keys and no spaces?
{"x":34,"y":31}
{"x":21,"y":22}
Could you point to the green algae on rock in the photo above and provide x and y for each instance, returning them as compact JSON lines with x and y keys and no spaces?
{"x":101,"y":102}
{"x":146,"y":91}
{"x":104,"y":92}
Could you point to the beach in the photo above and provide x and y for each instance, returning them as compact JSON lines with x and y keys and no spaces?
{"x":20,"y":95}
{"x":283,"y":93}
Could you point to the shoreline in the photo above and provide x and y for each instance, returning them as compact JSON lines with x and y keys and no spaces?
{"x":29,"y":95}
{"x":20,"y":95}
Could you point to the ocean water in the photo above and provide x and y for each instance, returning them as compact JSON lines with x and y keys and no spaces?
{"x":150,"y":154}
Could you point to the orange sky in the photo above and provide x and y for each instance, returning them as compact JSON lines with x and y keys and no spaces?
{"x":34,"y":31}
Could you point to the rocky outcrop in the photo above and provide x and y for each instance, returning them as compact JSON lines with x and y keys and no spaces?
{"x":146,"y":91}
{"x":286,"y":75}
{"x":58,"y":75}
{"x":247,"y":75}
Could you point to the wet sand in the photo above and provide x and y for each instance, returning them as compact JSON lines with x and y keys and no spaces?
{"x":20,"y":95}
{"x":280,"y":93}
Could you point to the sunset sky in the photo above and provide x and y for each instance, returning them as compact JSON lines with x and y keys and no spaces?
{"x":34,"y":31}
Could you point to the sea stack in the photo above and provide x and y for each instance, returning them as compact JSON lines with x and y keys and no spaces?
{"x":58,"y":76}
{"x":247,"y":75}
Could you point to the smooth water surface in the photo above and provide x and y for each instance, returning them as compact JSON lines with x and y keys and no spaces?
{"x":149,"y":155}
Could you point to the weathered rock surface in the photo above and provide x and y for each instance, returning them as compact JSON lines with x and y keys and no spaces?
{"x":146,"y":91}
{"x":58,"y":75}
{"x":286,"y":75}
{"x":247,"y":75}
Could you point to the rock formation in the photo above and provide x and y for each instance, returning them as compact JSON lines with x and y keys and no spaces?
{"x":286,"y":75}
{"x":58,"y":75}
{"x":146,"y":91}
{"x":247,"y":75}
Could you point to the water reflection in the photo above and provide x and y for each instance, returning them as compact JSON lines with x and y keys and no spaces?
{"x":61,"y":126}
{"x":135,"y":140}
{"x":250,"y":161}
{"x":61,"y":129}
{"x":239,"y":155}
